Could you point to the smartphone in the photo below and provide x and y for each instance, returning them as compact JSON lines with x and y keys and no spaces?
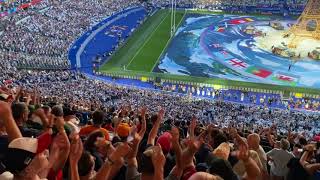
{"x":130,"y":138}
{"x":131,"y":135}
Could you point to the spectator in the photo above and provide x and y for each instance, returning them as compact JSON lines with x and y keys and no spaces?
{"x":98,"y":119}
{"x":279,"y":159}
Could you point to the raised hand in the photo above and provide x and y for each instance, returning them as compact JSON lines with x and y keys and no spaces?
{"x":143,"y":111}
{"x":5,"y":110}
{"x":309,"y":147}
{"x":59,"y":122}
{"x":157,"y":156}
{"x":103,"y":146}
{"x":193,"y":126}
{"x":243,"y":149}
{"x":137,"y":137}
{"x":61,"y":141}
{"x":76,"y":149}
{"x":177,"y":150}
{"x":8,"y":121}
{"x":155,"y":128}
{"x":45,"y":121}
{"x":120,"y":151}
{"x":161,"y":114}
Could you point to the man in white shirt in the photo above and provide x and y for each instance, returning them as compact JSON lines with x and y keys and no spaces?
{"x":280,"y":158}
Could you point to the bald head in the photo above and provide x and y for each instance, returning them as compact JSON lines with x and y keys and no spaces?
{"x":204,"y":176}
{"x":254,"y":141}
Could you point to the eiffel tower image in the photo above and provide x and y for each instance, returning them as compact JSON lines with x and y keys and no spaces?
{"x":308,"y":24}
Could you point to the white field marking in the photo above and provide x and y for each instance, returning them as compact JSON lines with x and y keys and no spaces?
{"x":167,"y":43}
{"x":146,"y":41}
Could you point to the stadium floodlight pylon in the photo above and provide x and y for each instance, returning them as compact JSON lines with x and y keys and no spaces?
{"x":311,"y":14}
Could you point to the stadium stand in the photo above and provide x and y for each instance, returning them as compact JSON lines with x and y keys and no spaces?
{"x":113,"y":30}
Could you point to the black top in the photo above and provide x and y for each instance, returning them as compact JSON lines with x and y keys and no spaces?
{"x":296,"y":171}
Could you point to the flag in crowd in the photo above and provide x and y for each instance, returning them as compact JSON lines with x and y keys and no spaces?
{"x":260,"y":72}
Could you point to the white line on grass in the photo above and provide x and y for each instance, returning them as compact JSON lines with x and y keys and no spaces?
{"x":167,"y":43}
{"x":146,"y":41}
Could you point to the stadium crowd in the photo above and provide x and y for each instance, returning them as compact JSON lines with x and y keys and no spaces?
{"x":39,"y":38}
{"x":62,"y":125}
{"x":71,"y":127}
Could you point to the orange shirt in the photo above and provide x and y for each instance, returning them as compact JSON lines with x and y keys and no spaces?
{"x":85,"y":131}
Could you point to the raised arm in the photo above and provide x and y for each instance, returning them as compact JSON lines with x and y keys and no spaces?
{"x":61,"y":142}
{"x":158,"y":160}
{"x":310,"y":168}
{"x":143,"y":121}
{"x":271,"y":141}
{"x":8,"y":121}
{"x":155,"y":128}
{"x":131,"y":157}
{"x":113,"y":160}
{"x":193,"y":145}
{"x":252,"y":169}
{"x":76,"y":150}
{"x":178,"y":169}
{"x":44,"y":119}
{"x":192,"y":126}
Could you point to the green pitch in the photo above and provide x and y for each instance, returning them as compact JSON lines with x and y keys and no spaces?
{"x":142,"y":51}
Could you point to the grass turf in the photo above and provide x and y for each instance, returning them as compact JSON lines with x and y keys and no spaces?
{"x":150,"y":51}
{"x":143,"y":49}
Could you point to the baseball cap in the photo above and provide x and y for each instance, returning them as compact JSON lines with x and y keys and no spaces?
{"x":123,"y":130}
{"x":21,"y":151}
{"x":165,"y":141}
{"x":5,"y":96}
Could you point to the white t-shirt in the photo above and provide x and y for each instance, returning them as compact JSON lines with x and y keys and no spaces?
{"x":263,"y":157}
{"x":280,"y":160}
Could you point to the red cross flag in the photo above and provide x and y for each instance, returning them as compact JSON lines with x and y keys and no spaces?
{"x":238,"y":63}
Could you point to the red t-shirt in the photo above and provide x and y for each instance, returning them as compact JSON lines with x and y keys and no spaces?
{"x":51,"y":175}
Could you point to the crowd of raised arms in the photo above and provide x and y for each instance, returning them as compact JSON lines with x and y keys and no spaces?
{"x":62,"y":125}
{"x":141,"y":134}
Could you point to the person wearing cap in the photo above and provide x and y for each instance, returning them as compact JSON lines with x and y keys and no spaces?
{"x":27,"y":157}
{"x":11,"y":130}
{"x":123,"y":130}
{"x":98,"y":119}
{"x":6,"y":98}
